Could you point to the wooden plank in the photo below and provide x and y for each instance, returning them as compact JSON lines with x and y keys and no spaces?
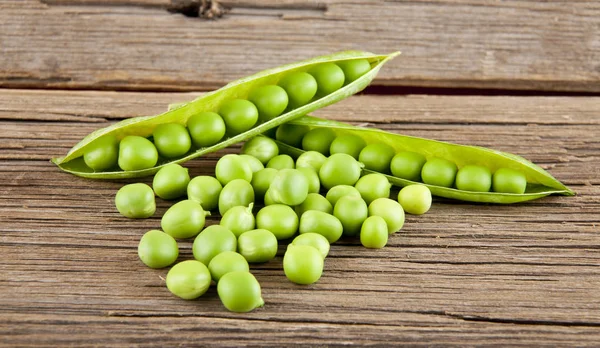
{"x":462,"y":274}
{"x":137,"y":44}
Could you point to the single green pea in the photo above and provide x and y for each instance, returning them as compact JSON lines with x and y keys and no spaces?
{"x":269,"y":200}
{"x":289,"y":187}
{"x":280,"y":219}
{"x":171,"y":140}
{"x":239,"y":219}
{"x":184,"y":219}
{"x":350,"y":144}
{"x":415,"y":199}
{"x":261,"y":181}
{"x":407,"y":165}
{"x":310,"y":159}
{"x":339,"y":169}
{"x":319,"y":140}
{"x":329,"y":77}
{"x":262,"y":148}
{"x":508,"y":180}
{"x":353,"y":69}
{"x":236,"y":192}
{"x":439,"y":172}
{"x":212,"y":241}
{"x":205,"y":190}
{"x":291,"y":134}
{"x":339,"y":191}
{"x":231,"y":167}
{"x":135,"y":201}
{"x":374,"y":232}
{"x":314,"y":184}
{"x":302,"y":264}
{"x":206,"y":128}
{"x":157,"y":249}
{"x":351,"y":211}
{"x":257,"y":245}
{"x":300,"y":87}
{"x":270,"y":100}
{"x":254,"y":163}
{"x":240,"y":292}
{"x":314,"y":201}
{"x":225,"y":262}
{"x":281,"y":162}
{"x":102,"y":154}
{"x":390,"y":210}
{"x":474,"y":178}
{"x":188,"y":279}
{"x":377,"y":157}
{"x":171,"y":181}
{"x":137,"y":153}
{"x":314,"y":240}
{"x":239,"y":115}
{"x":373,"y":186}
{"x":327,"y":225}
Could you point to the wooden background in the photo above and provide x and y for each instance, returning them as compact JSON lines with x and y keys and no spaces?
{"x":518,"y":76}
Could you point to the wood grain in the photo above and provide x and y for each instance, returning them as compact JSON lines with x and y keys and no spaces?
{"x":137,"y":44}
{"x":463,"y":274}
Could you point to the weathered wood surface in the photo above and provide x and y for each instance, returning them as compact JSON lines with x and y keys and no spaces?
{"x":462,"y":274}
{"x":137,"y":44}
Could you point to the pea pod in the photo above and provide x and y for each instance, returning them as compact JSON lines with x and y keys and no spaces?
{"x":74,"y":163}
{"x":539,"y":182}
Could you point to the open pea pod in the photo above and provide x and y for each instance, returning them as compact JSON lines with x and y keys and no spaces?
{"x":73,"y":161}
{"x":539,"y":182}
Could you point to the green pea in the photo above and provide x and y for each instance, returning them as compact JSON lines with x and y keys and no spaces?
{"x":102,"y":154}
{"x":374,"y":232}
{"x":261,"y":181}
{"x":171,"y":140}
{"x":373,"y":186}
{"x":509,"y":181}
{"x":231,"y":167}
{"x":314,"y":201}
{"x":206,"y":128}
{"x":281,"y":162}
{"x":269,"y":200}
{"x":171,"y":181}
{"x":319,"y":140}
{"x":289,"y":187}
{"x":349,"y":144}
{"x":407,"y":165}
{"x":225,"y":262}
{"x":184,"y":219}
{"x":314,"y":184}
{"x":415,"y":199}
{"x":302,"y":264}
{"x":439,"y":172}
{"x":314,"y":240}
{"x":353,"y":69}
{"x":310,"y":159}
{"x":188,"y":279}
{"x":339,"y":191}
{"x":329,"y":77}
{"x":327,"y":225}
{"x":280,"y":219}
{"x":257,"y":245}
{"x":254,"y":163}
{"x":390,"y":210}
{"x":291,"y":134}
{"x":239,"y":115}
{"x":240,"y":292}
{"x":205,"y":190}
{"x":300,"y":87}
{"x":270,"y":101}
{"x":157,"y":249}
{"x":135,"y":201}
{"x":212,"y":241}
{"x":137,"y":153}
{"x":339,"y":169}
{"x":236,"y":192}
{"x":351,"y":211}
{"x":239,"y":219}
{"x":474,"y":178}
{"x":377,"y":157}
{"x":262,"y":148}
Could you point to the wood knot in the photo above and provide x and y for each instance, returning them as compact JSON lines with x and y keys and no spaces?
{"x":208,"y":9}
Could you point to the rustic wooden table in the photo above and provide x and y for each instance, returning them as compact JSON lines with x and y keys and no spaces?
{"x":518,"y":76}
